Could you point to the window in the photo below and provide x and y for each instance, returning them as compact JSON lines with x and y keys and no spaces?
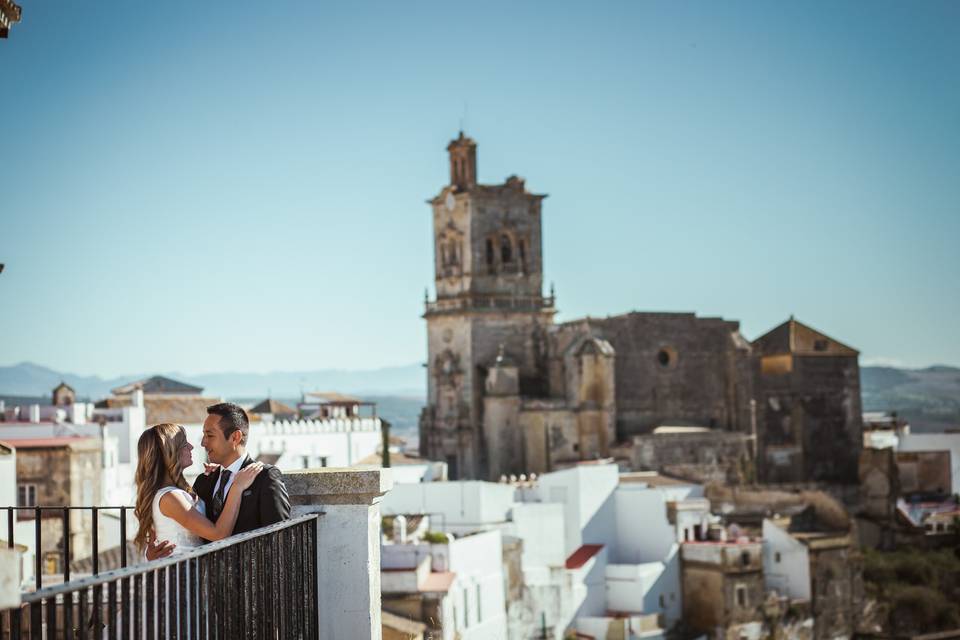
{"x":776,"y":557}
{"x":323,"y":461}
{"x":27,"y":495}
{"x":667,"y":357}
{"x":51,"y":563}
{"x":506,"y":249}
{"x":522,"y":251}
{"x":306,"y":462}
{"x":663,"y":602}
{"x":820,"y":345}
{"x":741,"y":595}
{"x":745,"y":558}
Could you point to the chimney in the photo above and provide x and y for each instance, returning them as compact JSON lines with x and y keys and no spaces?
{"x":35,"y":413}
{"x":400,"y":530}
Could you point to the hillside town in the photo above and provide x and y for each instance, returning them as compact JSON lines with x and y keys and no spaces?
{"x":647,"y":475}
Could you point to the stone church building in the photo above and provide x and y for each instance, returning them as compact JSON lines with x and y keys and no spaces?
{"x":510,"y":391}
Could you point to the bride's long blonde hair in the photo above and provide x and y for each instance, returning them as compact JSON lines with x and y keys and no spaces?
{"x":158,"y":466}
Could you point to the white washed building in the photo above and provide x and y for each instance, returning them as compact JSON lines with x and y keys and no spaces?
{"x":454,"y":586}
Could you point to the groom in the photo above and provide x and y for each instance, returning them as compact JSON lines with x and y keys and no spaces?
{"x":225,"y":440}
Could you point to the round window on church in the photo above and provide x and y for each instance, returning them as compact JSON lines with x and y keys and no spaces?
{"x":667,"y":357}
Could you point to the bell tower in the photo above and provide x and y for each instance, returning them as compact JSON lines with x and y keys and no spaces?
{"x":488,"y":276}
{"x":463,"y":162}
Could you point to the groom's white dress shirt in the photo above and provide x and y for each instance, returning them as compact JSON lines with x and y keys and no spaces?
{"x":233,"y":469}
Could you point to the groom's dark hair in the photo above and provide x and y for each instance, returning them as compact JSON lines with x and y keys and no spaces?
{"x":232,"y":418}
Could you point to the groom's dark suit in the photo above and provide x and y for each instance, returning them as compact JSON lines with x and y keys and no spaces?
{"x":264,"y":502}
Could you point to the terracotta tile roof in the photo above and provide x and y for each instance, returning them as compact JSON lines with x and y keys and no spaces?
{"x":157,"y":384}
{"x":438,"y":581}
{"x":273,"y":406}
{"x":186,"y":409}
{"x":332,"y":397}
{"x":580,"y":557}
{"x":48,"y":443}
{"x":797,"y":338}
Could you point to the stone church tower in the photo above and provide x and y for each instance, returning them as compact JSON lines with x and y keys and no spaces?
{"x":488,"y":274}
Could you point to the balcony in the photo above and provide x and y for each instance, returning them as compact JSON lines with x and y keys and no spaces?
{"x":316,"y":575}
{"x":489,"y":303}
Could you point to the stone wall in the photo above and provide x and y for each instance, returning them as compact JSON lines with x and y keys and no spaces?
{"x":671,"y":368}
{"x":64,"y":475}
{"x":810,"y":421}
{"x":836,"y":586}
{"x":710,"y":456}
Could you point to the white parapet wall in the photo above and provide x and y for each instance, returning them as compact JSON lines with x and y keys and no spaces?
{"x":348,"y":549}
{"x":334,"y":442}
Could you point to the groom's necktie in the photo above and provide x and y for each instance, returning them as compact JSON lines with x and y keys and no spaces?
{"x":218,"y":496}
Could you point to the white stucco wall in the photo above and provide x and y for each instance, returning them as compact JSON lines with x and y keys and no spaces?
{"x":540,"y":526}
{"x":638,"y":588}
{"x":478,"y":593}
{"x":790,"y":575}
{"x":643,"y":532}
{"x":8,"y":480}
{"x":467,"y":505}
{"x":936,"y":442}
{"x":587,"y":493}
{"x":590,"y":586}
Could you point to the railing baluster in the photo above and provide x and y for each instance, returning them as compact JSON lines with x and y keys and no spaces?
{"x":269,"y":581}
{"x":123,"y":536}
{"x":10,"y":527}
{"x":95,"y":532}
{"x":298,"y":580}
{"x":315,"y":570}
{"x":261,"y":590}
{"x":203,"y":596}
{"x":68,"y":615}
{"x":162,"y":603}
{"x":138,"y":605}
{"x":96,"y":611}
{"x":151,"y":605}
{"x":282,"y":594}
{"x":36,"y":619}
{"x":183,"y":600}
{"x":229,"y":581}
{"x":125,"y":607}
{"x":245,"y":593}
{"x":66,"y":544}
{"x":38,"y":551}
{"x":16,"y":624}
{"x":112,"y":627}
{"x":51,"y":607}
{"x":82,"y":620}
{"x":195,"y":602}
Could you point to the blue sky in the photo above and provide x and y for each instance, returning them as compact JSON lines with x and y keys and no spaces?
{"x":211,"y":186}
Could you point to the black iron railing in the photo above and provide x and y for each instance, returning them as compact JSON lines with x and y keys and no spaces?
{"x":66,"y":557}
{"x":261,"y":584}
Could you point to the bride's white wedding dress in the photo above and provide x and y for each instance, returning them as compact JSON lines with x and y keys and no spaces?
{"x":171,"y":530}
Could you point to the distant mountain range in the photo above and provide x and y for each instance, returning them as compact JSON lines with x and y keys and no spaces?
{"x":28,"y":379}
{"x":928,"y":398}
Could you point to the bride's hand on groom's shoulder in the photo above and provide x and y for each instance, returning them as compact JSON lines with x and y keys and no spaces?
{"x":247,"y":475}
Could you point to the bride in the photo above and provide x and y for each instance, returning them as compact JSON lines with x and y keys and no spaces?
{"x":166,"y":506}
